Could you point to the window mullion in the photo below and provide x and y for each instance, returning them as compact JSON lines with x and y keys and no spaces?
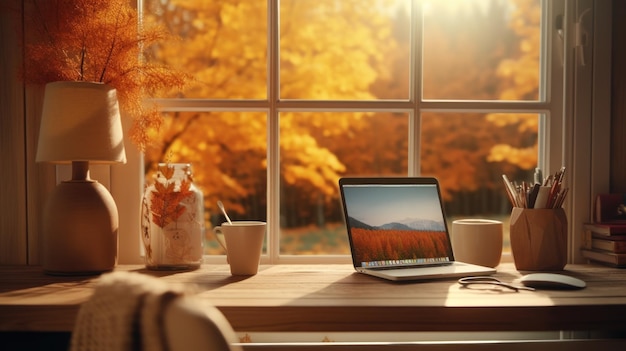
{"x":273,"y":133}
{"x":415,"y":89}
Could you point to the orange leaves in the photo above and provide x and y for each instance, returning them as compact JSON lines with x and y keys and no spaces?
{"x":79,"y":39}
{"x":165,"y":203}
{"x":100,"y":41}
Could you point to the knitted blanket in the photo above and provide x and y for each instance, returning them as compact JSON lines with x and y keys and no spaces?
{"x":125,"y":313}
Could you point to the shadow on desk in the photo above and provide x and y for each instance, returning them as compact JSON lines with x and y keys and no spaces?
{"x":577,"y":345}
{"x":49,"y":341}
{"x":60,"y":341}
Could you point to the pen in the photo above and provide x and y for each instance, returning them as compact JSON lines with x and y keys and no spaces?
{"x":538,"y":176}
{"x":561,"y":198}
{"x":561,"y":174}
{"x":532,"y":195}
{"x":554,"y":191}
{"x":546,"y":194}
{"x":510,"y":190}
{"x":557,"y":180}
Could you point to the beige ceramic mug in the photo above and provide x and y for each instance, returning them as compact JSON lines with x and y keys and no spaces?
{"x":243,"y":242}
{"x":477,"y":241}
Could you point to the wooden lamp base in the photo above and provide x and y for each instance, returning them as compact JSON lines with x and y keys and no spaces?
{"x":80,"y":227}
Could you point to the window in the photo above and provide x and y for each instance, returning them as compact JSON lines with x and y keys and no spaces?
{"x":290,"y":95}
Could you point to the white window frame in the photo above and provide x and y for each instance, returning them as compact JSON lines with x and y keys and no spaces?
{"x":576,"y":123}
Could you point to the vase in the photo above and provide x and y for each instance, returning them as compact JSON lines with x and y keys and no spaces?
{"x":172,"y":220}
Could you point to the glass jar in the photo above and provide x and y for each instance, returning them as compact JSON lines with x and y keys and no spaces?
{"x":172,"y":219}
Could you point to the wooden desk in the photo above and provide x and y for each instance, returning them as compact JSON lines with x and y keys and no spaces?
{"x":334,"y":298}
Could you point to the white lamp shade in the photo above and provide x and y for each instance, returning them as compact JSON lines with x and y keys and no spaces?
{"x":80,"y":122}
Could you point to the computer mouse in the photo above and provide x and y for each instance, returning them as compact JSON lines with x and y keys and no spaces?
{"x":552,"y":281}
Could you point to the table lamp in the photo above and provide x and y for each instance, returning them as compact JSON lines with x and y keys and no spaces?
{"x":80,"y":124}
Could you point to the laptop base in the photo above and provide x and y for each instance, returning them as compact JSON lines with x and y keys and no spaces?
{"x":454,"y":270}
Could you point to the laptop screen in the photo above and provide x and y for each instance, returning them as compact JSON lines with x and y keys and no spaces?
{"x":395,"y":222}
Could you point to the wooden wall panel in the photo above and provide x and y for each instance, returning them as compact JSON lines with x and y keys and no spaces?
{"x":13,"y":241}
{"x":618,"y":99}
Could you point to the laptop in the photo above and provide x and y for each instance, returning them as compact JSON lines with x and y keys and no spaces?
{"x":397,"y":229}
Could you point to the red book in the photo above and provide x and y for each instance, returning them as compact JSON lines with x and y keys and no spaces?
{"x":610,"y":208}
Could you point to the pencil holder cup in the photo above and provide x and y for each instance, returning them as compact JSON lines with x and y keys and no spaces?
{"x":539,"y":239}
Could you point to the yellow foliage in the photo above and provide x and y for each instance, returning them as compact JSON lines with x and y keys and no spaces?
{"x":344,"y":50}
{"x":525,"y":158}
{"x":522,"y":75}
{"x":523,"y":121}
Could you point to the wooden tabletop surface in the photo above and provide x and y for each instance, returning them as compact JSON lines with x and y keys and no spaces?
{"x":335,"y":298}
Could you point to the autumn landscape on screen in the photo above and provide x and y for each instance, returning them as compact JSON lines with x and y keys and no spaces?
{"x":405,"y":239}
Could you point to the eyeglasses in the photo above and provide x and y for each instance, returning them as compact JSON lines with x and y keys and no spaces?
{"x":467,"y":281}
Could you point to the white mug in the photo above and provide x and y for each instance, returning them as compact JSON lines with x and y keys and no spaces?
{"x":243,"y":242}
{"x":477,"y":241}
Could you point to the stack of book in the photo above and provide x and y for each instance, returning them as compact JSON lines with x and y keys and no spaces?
{"x":605,"y":240}
{"x":605,"y":243}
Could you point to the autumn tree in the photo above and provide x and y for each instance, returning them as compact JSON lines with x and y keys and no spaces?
{"x":462,"y":50}
{"x":224,"y":45}
{"x":522,"y":77}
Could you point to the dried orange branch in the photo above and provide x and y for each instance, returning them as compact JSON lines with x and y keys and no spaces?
{"x":99,"y":40}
